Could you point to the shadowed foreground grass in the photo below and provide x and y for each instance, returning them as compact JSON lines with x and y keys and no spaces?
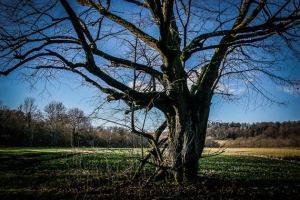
{"x":52,"y":173}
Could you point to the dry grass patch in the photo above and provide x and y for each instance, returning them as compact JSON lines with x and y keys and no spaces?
{"x":281,"y":153}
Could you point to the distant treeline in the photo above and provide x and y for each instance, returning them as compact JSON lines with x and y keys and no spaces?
{"x":262,"y":134}
{"x":57,"y":126}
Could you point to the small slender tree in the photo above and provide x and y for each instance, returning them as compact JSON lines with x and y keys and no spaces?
{"x":30,"y":111}
{"x":55,"y":118}
{"x":78,"y":122}
{"x":194,"y":49}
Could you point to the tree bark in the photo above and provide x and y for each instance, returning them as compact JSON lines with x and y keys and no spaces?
{"x":187,"y":116}
{"x":187,"y":130}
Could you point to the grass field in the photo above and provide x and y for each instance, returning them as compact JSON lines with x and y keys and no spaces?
{"x":62,"y":173}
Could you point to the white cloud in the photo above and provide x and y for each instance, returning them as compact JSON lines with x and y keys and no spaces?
{"x":142,"y":86}
{"x":192,"y":79}
{"x":287,"y":90}
{"x":291,"y":90}
{"x":233,"y":89}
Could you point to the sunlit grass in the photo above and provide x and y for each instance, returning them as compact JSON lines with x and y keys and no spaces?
{"x":281,"y":153}
{"x":234,"y":166}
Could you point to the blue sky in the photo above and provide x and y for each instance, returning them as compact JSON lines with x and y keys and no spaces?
{"x":239,"y":112}
{"x":13,"y":93}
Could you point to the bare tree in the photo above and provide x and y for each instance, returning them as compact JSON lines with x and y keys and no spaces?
{"x":78,"y":122}
{"x":56,"y":118}
{"x":29,"y":108}
{"x":194,"y":50}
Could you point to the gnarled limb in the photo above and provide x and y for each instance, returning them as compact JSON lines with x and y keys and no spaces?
{"x":155,"y":151}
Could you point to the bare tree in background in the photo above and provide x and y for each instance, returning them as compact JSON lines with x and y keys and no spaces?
{"x":55,"y":118}
{"x":194,"y":50}
{"x":77,"y":121}
{"x":30,"y":111}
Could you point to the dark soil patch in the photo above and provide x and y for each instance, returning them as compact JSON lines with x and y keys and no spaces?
{"x":206,"y":188}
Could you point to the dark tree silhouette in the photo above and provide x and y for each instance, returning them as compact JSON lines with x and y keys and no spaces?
{"x":184,"y":53}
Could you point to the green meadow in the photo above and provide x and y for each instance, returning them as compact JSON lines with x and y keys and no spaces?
{"x":64,"y":173}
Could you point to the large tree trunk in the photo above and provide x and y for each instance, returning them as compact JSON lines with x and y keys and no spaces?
{"x":187,"y":116}
{"x":187,"y":131}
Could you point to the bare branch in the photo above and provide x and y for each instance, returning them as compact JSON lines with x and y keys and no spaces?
{"x":251,"y":17}
{"x":126,"y":63}
{"x":6,"y":72}
{"x":129,"y":26}
{"x":137,"y":3}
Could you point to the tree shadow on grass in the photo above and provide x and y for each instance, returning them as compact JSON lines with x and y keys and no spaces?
{"x":11,"y":162}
